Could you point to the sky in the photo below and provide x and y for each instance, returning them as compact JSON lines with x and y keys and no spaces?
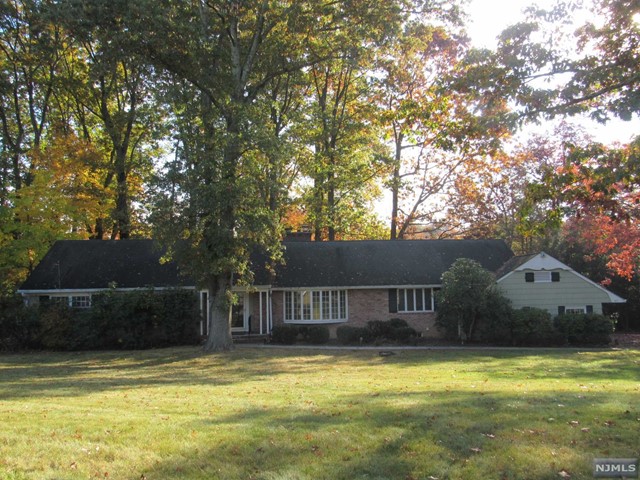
{"x":490,"y":17}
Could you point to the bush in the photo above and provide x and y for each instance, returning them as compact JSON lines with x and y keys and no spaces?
{"x":131,"y":320}
{"x":533,"y":327}
{"x":316,"y":335}
{"x":469,"y":303}
{"x":19,"y":325}
{"x":56,"y":328}
{"x":404,"y":334}
{"x":141,"y":319}
{"x":395,"y":330}
{"x":380,"y":330}
{"x":494,"y":318}
{"x":284,"y":334}
{"x":584,"y":329}
{"x":349,"y":335}
{"x":395,"y":323}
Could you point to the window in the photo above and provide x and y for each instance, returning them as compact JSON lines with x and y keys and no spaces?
{"x":83,"y":301}
{"x":569,"y":310}
{"x":58,"y":300}
{"x":416,"y":299}
{"x":575,"y":309}
{"x":315,"y":306}
{"x":74,"y":301}
{"x":541,"y":277}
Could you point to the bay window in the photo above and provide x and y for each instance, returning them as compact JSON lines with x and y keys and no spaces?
{"x":311,"y":306}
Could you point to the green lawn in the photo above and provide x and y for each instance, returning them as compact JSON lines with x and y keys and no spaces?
{"x":309,"y":414}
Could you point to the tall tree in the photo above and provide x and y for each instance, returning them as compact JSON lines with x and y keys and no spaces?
{"x":346,"y":154}
{"x":30,"y":51}
{"x":438,"y":128}
{"x":109,"y":89}
{"x":229,"y":52}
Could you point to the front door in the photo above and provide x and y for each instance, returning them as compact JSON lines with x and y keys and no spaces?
{"x":240,"y":314}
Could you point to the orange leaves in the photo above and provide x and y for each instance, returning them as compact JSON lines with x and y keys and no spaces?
{"x":618,"y":241}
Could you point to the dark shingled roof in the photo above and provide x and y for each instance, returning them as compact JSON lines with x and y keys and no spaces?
{"x":380,"y":262}
{"x":512,"y":264}
{"x":91,"y":264}
{"x":85,"y":264}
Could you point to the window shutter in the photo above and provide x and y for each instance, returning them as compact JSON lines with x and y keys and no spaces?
{"x":528,"y":277}
{"x":561,"y":310}
{"x":555,"y":276}
{"x":589,"y":308}
{"x":393,"y":300}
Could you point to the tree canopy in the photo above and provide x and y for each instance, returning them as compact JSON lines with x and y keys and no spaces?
{"x":214,"y":126}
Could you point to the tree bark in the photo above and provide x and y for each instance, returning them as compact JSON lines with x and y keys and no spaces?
{"x":219,"y":338}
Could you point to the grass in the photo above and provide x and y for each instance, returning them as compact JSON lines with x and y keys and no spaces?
{"x":310,"y":414}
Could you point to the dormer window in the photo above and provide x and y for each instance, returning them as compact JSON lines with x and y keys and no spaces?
{"x":541,"y":277}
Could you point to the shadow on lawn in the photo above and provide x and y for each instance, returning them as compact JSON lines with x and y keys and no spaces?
{"x":411,"y":435}
{"x":81,"y":373}
{"x":68,"y":374}
{"x":412,"y":432}
{"x":580,"y":365}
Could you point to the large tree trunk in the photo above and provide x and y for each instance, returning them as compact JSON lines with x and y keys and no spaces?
{"x":219,"y":320}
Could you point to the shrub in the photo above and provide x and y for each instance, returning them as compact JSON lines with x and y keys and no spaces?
{"x":533,"y":326}
{"x":350,"y":335}
{"x":285,"y":334}
{"x":141,"y":319}
{"x":584,"y":329}
{"x":116,"y":320}
{"x":397,"y":323}
{"x":317,"y":335}
{"x":19,"y":325}
{"x":469,"y":302}
{"x":56,"y":328}
{"x":495,"y":317}
{"x":380,"y":330}
{"x":396,"y":330}
{"x":404,"y":334}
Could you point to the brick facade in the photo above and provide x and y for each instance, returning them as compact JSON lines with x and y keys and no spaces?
{"x":365,"y":305}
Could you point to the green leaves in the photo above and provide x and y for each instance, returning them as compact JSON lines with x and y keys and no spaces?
{"x":467,"y":297}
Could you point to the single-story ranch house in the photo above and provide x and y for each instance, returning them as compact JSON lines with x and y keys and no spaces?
{"x":330,"y":283}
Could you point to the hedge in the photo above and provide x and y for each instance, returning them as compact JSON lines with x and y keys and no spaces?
{"x":116,"y":320}
{"x":584,"y":328}
{"x":394,"y":330}
{"x":289,"y":334}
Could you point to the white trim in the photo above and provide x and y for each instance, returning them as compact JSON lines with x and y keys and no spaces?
{"x":362,"y":287}
{"x":582,"y":308}
{"x":250,"y":288}
{"x":67,"y":291}
{"x":299,"y":317}
{"x":538,"y":276}
{"x":431,"y":299}
{"x":260,"y":310}
{"x":246,"y":313}
{"x":314,"y":322}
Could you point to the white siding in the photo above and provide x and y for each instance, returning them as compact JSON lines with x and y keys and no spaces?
{"x":571,"y":291}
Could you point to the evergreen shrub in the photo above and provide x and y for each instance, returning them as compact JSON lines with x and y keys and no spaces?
{"x":584,"y":328}
{"x":316,"y":335}
{"x":116,"y":320}
{"x":19,"y":325}
{"x":285,"y":334}
{"x":350,"y":335}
